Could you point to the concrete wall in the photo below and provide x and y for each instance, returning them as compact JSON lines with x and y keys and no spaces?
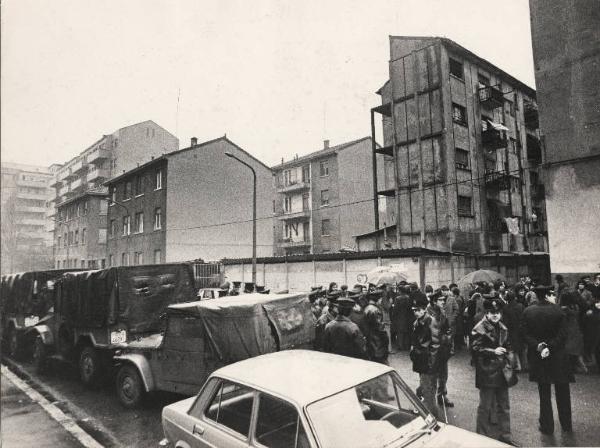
{"x":566,"y":47}
{"x":210,"y":204}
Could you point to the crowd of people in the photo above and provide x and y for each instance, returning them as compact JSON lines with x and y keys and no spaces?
{"x":549,"y":332}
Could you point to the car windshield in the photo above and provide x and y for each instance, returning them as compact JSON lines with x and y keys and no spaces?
{"x":372,"y":414}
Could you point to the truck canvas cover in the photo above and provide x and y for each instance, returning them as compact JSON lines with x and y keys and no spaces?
{"x":133,"y":295}
{"x":240,"y":327}
{"x":27,"y":293}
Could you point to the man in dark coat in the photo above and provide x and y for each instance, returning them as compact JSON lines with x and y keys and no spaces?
{"x":423,"y":354}
{"x":544,"y":330}
{"x":402,"y":319}
{"x":342,"y":336}
{"x":377,"y":337}
{"x":491,"y":347}
{"x":511,"y":318}
{"x":441,"y":333}
{"x":329,"y":314}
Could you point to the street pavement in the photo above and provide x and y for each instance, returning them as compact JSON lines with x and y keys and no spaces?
{"x":115,"y":426}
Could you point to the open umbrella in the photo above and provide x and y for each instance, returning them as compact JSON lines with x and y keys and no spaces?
{"x":385,"y":275}
{"x":482,"y":275}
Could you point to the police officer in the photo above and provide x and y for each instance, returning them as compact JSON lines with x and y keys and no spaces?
{"x":377,"y":337}
{"x":492,"y":351}
{"x":342,"y":336}
{"x":328,"y":314}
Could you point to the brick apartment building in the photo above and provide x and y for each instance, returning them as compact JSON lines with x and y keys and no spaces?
{"x":195,"y":203}
{"x":462,"y":153}
{"x":324,"y":198}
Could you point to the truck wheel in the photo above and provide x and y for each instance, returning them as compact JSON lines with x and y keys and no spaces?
{"x":89,"y":366}
{"x":40,"y":356}
{"x":130,"y":388}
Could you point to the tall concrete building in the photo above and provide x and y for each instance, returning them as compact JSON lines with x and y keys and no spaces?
{"x":26,"y":240}
{"x":324,"y":199}
{"x":566,"y":53}
{"x":462,"y":153}
{"x":195,"y":203}
{"x":81,"y":197}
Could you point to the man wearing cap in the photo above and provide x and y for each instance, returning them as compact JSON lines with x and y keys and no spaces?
{"x":423,"y":353}
{"x":441,"y":335}
{"x":358,"y":311}
{"x":377,"y":338}
{"x":328,"y":315}
{"x":491,"y":349}
{"x":342,"y":336}
{"x":545,"y":331}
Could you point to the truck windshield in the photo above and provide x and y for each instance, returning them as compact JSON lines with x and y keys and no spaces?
{"x":371,"y":414}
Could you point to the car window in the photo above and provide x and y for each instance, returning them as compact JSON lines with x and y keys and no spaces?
{"x":197,"y":409}
{"x":278,"y":424}
{"x":231,"y":406}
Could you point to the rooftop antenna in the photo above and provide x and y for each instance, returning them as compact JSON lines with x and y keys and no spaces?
{"x":177,"y":114}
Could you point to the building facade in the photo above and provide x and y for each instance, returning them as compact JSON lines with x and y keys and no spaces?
{"x":195,"y":203}
{"x":323,"y":199}
{"x":566,"y":53}
{"x":111,"y":155}
{"x":26,"y":241}
{"x":462,"y":153}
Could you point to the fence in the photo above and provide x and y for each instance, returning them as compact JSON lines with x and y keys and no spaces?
{"x":208,"y":275}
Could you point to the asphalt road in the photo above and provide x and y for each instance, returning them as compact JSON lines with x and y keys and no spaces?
{"x":99,"y":412}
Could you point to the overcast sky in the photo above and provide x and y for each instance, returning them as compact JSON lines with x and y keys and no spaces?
{"x":278,"y":77}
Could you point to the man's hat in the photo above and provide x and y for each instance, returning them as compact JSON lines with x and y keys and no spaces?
{"x":493,"y":305}
{"x":345,"y":302}
{"x":354,"y":295}
{"x":333,"y":296}
{"x":419,"y":302}
{"x":542,"y":290}
{"x":224,"y":286}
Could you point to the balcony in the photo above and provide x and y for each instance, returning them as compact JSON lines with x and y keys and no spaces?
{"x":64,"y":190}
{"x":34,"y":196}
{"x":34,"y":222}
{"x":37,"y":183}
{"x":79,"y":167}
{"x":534,"y":150}
{"x":55,"y":183}
{"x":288,"y":242}
{"x":390,"y":192}
{"x":493,"y":138}
{"x":385,"y":150}
{"x":62,"y":175}
{"x":491,"y":97}
{"x":78,"y":184}
{"x":384,"y":109}
{"x":97,"y":174}
{"x":30,"y":209}
{"x":497,"y":179}
{"x":70,"y":175}
{"x":293,"y":186}
{"x":289,"y":216}
{"x":531,"y":116}
{"x":98,"y":155}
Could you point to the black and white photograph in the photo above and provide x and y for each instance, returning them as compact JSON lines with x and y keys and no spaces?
{"x":311,"y":224}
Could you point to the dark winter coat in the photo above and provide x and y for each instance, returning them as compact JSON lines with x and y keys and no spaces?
{"x":376,"y":336}
{"x":591,"y":327}
{"x":402,"y":317}
{"x":545,"y":322}
{"x":511,"y":317}
{"x":430,"y":341}
{"x":574,"y":343}
{"x":320,"y":329}
{"x":486,"y":337}
{"x":342,"y":337}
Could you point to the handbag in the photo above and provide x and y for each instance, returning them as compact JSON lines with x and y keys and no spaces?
{"x":509,"y":369}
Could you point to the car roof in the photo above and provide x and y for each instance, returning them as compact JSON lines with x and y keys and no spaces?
{"x":232,"y":301}
{"x":302,"y":376}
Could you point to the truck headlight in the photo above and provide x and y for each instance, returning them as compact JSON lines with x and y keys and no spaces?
{"x":118,"y":337}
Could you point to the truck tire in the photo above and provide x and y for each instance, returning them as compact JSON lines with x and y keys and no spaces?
{"x":130,"y":388}
{"x":90,"y":366}
{"x":40,"y":356}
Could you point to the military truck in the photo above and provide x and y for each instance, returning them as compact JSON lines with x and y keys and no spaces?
{"x":204,"y":335}
{"x":26,"y":299}
{"x":98,"y":311}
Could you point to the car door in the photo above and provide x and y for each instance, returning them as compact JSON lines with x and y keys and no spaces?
{"x":223,"y":416}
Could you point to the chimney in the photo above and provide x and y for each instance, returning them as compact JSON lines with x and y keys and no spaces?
{"x":194,"y":141}
{"x":325,"y":144}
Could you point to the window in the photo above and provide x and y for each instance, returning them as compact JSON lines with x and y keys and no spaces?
{"x":113,"y":195}
{"x":461,"y":159}
{"x":128,"y":190}
{"x":324,"y":198}
{"x":66,"y":239}
{"x":101,"y":236}
{"x":78,"y":210}
{"x":157,"y":256}
{"x":511,"y":107}
{"x":126,"y":225}
{"x":111,"y":260}
{"x":278,"y":424}
{"x":459,"y":114}
{"x":158,"y":181}
{"x":325,"y":227}
{"x":82,"y":264}
{"x":485,"y":122}
{"x":102,"y":263}
{"x":464,"y":206}
{"x":305,"y":202}
{"x":139,"y":222}
{"x":59,"y":240}
{"x":76,"y":237}
{"x":291,"y":230}
{"x":483,"y":80}
{"x":124,"y":259}
{"x":157,"y":218}
{"x":103,"y":207}
{"x":86,"y":207}
{"x":113,"y":228}
{"x":231,"y":406}
{"x":83,"y":232}
{"x":139,"y":185}
{"x":289,"y":177}
{"x":324,"y":168}
{"x":273,"y":205}
{"x":138,"y":258}
{"x":287,"y":204}
{"x":456,"y":68}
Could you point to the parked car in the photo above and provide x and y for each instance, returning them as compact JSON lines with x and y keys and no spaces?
{"x":302,"y":399}
{"x":98,"y":311}
{"x":26,"y":299}
{"x":204,"y":335}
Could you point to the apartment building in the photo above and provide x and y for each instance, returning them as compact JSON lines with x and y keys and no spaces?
{"x":195,"y":203}
{"x":81,"y":180}
{"x":566,"y":52}
{"x":324,"y":198}
{"x":462,"y":153}
{"x":26,"y":242}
